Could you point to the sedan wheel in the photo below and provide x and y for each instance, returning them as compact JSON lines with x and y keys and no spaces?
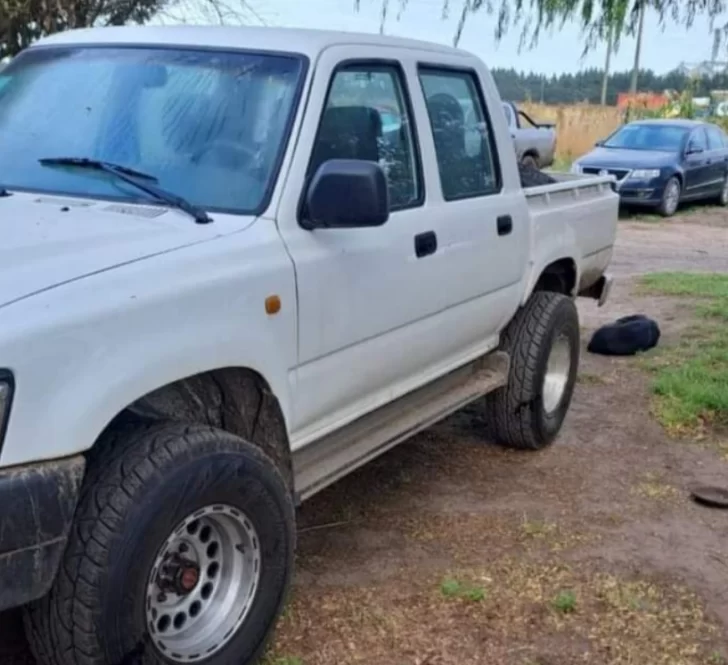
{"x":670,"y":198}
{"x":724,"y":193}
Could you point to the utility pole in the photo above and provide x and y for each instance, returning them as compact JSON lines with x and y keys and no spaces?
{"x":636,"y":66}
{"x":605,"y":80}
{"x":637,"y":50}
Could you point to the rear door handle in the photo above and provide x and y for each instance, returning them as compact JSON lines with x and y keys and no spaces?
{"x":505,"y":225}
{"x":425,"y":244}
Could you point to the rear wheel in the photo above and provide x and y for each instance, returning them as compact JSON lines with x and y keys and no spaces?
{"x":723,"y":196}
{"x":529,"y":161}
{"x":182,"y":549}
{"x":543,"y":343}
{"x":670,"y":198}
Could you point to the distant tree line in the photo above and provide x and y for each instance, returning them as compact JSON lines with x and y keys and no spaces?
{"x":586,"y":85}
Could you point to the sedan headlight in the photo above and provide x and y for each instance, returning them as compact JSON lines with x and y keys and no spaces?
{"x":576,"y":167}
{"x":6,"y":395}
{"x":644,"y":174}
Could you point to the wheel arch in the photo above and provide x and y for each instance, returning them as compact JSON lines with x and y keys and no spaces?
{"x":558,"y":275}
{"x":238,"y":400}
{"x":530,"y":152}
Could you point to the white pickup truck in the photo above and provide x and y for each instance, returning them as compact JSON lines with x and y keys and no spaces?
{"x":226,"y":286}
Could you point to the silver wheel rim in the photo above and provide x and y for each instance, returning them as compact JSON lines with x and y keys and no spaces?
{"x":203,"y":583}
{"x":672,"y":196}
{"x":556,"y":378}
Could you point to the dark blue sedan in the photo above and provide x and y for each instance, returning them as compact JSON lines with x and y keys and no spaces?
{"x":661,"y":163}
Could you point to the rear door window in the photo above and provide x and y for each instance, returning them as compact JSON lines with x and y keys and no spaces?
{"x":464,"y":142}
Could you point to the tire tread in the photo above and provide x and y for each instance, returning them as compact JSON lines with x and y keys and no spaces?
{"x":508,"y":419}
{"x":61,"y":626}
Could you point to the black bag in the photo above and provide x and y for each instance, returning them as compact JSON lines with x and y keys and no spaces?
{"x":625,"y":337}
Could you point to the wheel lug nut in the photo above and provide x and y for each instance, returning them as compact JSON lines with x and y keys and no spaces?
{"x":183,"y":548}
{"x":162,"y":597}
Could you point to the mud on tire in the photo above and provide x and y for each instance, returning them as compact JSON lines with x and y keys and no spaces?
{"x":519,"y":415}
{"x":142,"y":483}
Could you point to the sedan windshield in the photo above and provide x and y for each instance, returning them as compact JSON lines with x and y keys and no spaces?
{"x":209,"y":126}
{"x":666,"y":138}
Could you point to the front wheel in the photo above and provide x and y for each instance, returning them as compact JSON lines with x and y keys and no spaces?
{"x":181,"y":549}
{"x":543,"y":343}
{"x":670,"y":198}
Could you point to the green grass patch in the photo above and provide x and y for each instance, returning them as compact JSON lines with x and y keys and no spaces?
{"x":691,"y":379}
{"x":565,"y":602}
{"x":451,"y":588}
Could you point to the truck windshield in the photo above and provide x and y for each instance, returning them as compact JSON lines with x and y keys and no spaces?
{"x":210,"y":126}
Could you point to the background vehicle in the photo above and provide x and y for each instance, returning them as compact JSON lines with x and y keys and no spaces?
{"x":660,"y":163}
{"x":535,"y":141}
{"x":219,"y":308}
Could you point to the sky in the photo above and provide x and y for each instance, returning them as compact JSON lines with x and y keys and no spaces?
{"x":662,"y":48}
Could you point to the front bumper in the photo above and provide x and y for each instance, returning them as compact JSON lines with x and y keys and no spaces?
{"x":640,"y":192}
{"x":37,"y":504}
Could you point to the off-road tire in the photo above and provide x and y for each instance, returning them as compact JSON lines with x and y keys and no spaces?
{"x":515,"y":416}
{"x":141,"y":482}
{"x":667,"y":208}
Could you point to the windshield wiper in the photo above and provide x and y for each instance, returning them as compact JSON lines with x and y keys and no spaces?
{"x":138,"y":179}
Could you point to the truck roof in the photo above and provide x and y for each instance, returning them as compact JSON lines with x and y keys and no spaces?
{"x":286,"y":40}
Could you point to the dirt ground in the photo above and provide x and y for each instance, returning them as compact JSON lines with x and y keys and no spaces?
{"x":449,"y":550}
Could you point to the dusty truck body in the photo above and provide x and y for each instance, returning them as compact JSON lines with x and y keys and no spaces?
{"x":228,"y":284}
{"x":535,"y":142}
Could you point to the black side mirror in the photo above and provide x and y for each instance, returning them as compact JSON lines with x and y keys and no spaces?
{"x":693,"y":150}
{"x":346,"y":194}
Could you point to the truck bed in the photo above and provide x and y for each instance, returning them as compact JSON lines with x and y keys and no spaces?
{"x":585,"y":208}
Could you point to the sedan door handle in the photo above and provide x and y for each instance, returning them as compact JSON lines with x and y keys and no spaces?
{"x":425,"y":244}
{"x":505,"y":225}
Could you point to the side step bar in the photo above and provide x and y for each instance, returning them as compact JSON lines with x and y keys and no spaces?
{"x":323,"y":462}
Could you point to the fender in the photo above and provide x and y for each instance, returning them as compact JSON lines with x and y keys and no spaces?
{"x":86,"y":350}
{"x":548,"y":249}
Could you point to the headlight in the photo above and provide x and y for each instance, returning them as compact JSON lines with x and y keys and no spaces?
{"x":644,"y":174}
{"x":6,"y":395}
{"x":576,"y":167}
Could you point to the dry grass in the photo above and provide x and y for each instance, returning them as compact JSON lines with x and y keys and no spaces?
{"x":578,"y":126}
{"x":505,"y":611}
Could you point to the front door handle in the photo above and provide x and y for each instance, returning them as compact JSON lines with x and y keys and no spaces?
{"x":425,"y":244}
{"x":505,"y":225}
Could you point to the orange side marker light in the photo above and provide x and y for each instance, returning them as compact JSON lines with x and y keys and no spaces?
{"x":272,"y":305}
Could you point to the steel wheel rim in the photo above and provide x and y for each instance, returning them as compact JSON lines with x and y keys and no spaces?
{"x":556,"y":378}
{"x":672,"y":196}
{"x":203,"y":583}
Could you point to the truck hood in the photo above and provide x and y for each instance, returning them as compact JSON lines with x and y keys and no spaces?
{"x":46,"y":241}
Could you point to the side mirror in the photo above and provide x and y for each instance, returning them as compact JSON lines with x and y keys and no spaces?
{"x":346,"y":194}
{"x":599,"y":143}
{"x":693,"y":150}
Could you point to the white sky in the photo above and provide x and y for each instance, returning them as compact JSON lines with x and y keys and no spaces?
{"x":662,"y":50}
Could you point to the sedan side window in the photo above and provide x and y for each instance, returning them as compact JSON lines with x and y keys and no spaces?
{"x":716,"y":139}
{"x":464,"y":144}
{"x":698,"y":141}
{"x":367,"y":117}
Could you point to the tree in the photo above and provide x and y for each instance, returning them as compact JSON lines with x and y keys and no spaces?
{"x":24,"y":21}
{"x":596,"y":17}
